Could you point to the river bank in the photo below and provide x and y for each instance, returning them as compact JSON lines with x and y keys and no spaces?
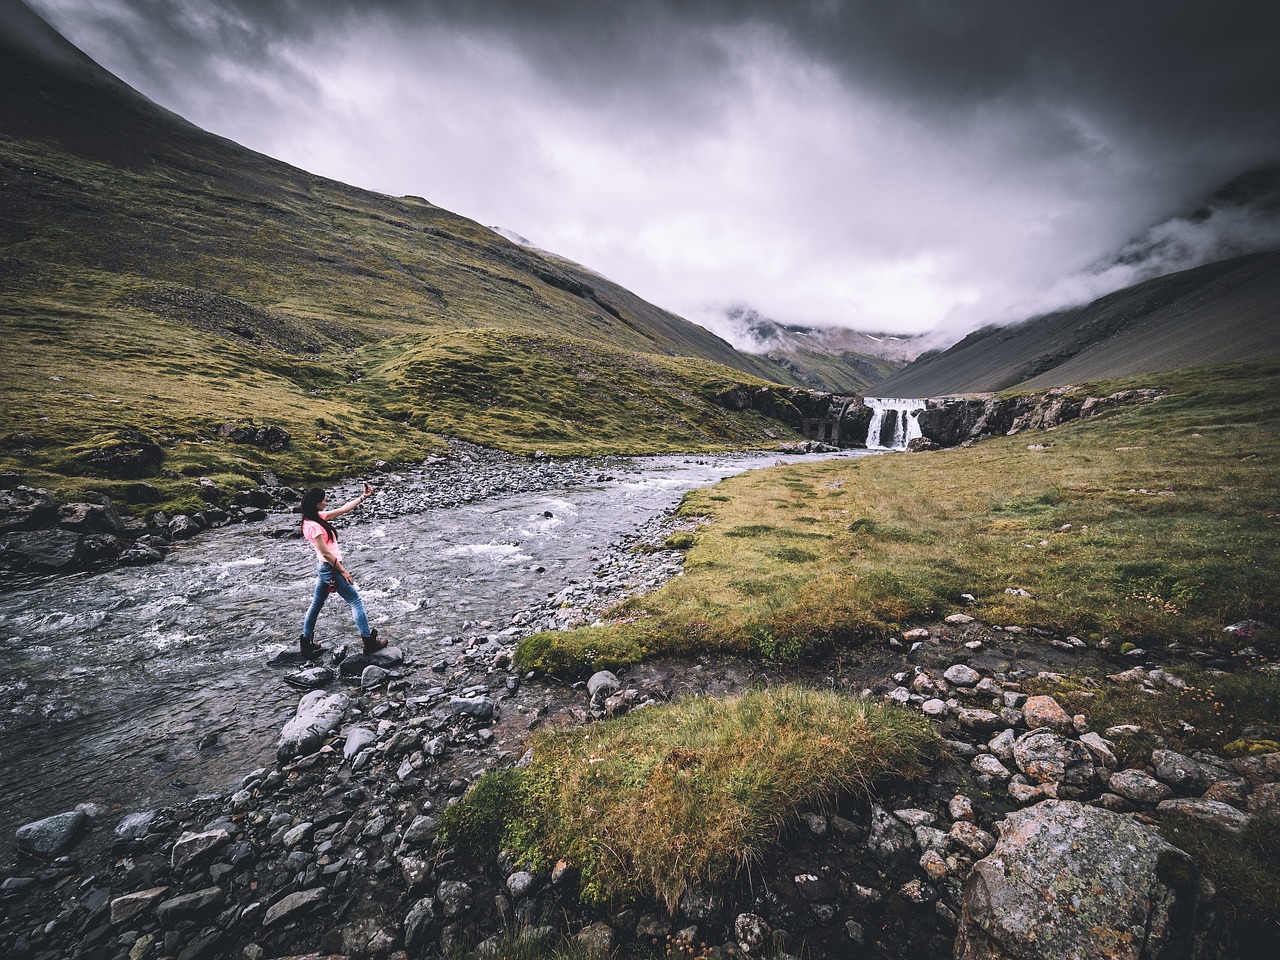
{"x":333,"y":848}
{"x":153,"y":685}
{"x":332,"y":845}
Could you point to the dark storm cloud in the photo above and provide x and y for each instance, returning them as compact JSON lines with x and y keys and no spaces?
{"x":901,"y":164}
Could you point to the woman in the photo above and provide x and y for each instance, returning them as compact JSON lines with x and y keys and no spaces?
{"x":332,"y":575}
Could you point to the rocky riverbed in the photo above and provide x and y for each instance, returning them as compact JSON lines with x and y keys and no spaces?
{"x":1033,"y":836}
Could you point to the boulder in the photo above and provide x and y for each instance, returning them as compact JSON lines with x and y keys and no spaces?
{"x":1046,"y":756}
{"x":318,"y":715}
{"x":961,"y":675}
{"x":601,"y":684}
{"x":183,"y":527}
{"x":1138,"y":786}
{"x":49,"y":837}
{"x":889,"y":839}
{"x":1071,"y":880}
{"x":1213,"y":812}
{"x":1182,"y":773}
{"x":124,"y":454}
{"x":24,"y":508}
{"x":41,"y":551}
{"x":1045,"y":711}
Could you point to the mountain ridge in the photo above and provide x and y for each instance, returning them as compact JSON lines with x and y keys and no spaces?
{"x":161,"y":278}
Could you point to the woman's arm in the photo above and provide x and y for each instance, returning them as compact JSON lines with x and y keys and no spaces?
{"x":349,"y":505}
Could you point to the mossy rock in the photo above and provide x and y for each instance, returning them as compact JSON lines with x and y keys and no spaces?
{"x":1250,"y":748}
{"x":123,"y":454}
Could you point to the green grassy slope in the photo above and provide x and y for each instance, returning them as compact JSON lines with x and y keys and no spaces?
{"x":158,"y":277}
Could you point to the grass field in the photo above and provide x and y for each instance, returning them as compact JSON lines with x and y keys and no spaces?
{"x":1146,"y":525}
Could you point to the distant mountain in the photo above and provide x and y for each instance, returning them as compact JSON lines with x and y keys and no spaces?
{"x":833,"y":359}
{"x":1219,"y":312}
{"x":161,"y":277}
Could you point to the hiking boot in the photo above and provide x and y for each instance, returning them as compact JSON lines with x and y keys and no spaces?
{"x":371,"y":643}
{"x":309,"y":648}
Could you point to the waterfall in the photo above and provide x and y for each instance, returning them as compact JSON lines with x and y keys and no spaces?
{"x":894,"y":422}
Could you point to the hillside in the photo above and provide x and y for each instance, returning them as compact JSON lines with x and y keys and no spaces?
{"x":1221,"y":312}
{"x":161,"y":278}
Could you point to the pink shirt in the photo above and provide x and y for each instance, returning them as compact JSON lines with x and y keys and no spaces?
{"x":316,"y":535}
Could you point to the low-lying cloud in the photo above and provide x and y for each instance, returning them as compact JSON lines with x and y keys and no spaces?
{"x":909,"y":166}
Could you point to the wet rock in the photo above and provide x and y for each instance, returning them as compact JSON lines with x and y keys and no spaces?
{"x":183,"y":527}
{"x":419,"y":925}
{"x":41,"y":551}
{"x":1070,"y":880}
{"x":51,"y":836}
{"x":131,"y":905}
{"x":25,"y":508}
{"x":135,"y":825}
{"x":140,"y":554}
{"x":479,"y":708}
{"x":191,"y":906}
{"x":312,"y":678}
{"x":318,"y":715}
{"x":388,"y":657}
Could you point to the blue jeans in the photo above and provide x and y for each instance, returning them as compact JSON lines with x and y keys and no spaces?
{"x":326,"y":575}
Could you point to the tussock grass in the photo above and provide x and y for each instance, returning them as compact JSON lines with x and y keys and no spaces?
{"x":690,"y":792}
{"x":1145,"y":525}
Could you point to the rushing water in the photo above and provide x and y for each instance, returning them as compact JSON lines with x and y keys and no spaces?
{"x":139,"y":687}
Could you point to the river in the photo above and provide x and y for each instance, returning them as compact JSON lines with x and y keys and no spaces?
{"x":135,"y":688}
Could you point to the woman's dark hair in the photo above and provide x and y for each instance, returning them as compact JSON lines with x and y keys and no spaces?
{"x":311,"y":511}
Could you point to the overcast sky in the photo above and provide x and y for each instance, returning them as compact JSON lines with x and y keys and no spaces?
{"x":902,"y":165}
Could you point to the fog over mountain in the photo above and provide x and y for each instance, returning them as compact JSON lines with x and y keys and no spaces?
{"x":905,"y":167}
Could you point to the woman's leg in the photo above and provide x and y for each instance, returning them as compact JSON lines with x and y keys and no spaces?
{"x":352,"y":596}
{"x":323,"y":579}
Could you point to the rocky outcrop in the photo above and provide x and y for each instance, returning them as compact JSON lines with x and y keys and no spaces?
{"x":948,"y":421}
{"x":1070,"y":880}
{"x":944,"y":421}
